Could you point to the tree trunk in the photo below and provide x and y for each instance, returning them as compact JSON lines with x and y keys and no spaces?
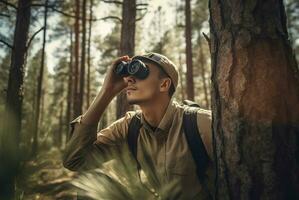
{"x":255,"y":101}
{"x":42,"y":108}
{"x":82,"y":71}
{"x":40,"y":86}
{"x":76,"y":107}
{"x":188,"y":36}
{"x":69,"y":90}
{"x":88,"y":54}
{"x":10,"y":136}
{"x":203,"y":73}
{"x":60,"y":128}
{"x":127,"y":45}
{"x":181,"y":74}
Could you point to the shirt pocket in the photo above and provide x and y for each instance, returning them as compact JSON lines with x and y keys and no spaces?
{"x":182,"y":164}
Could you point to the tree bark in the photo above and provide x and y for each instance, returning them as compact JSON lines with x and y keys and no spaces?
{"x":88,"y":53}
{"x":255,"y":101}
{"x":188,"y":36}
{"x":181,"y":75}
{"x":10,"y":129}
{"x":70,"y":86}
{"x":76,"y":98}
{"x":127,"y":46}
{"x":60,"y":128}
{"x":42,"y":108}
{"x":203,"y":73}
{"x":83,"y":55}
{"x":40,"y":86}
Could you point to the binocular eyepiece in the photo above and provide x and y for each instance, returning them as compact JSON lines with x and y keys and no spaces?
{"x":134,"y":68}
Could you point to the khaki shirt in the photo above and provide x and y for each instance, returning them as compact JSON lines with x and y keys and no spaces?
{"x":163,"y":154}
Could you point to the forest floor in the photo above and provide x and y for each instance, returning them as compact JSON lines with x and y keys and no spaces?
{"x":45,"y":178}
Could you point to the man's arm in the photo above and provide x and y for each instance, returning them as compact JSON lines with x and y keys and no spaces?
{"x":80,"y":148}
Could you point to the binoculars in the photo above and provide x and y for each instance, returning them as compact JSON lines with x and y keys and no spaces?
{"x":134,"y":68}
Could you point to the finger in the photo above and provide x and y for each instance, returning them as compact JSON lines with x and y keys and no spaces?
{"x":126,"y":58}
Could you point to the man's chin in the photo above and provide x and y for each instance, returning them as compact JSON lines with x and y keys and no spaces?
{"x":133,"y":101}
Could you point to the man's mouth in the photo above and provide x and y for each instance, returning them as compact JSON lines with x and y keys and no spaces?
{"x":130,"y":88}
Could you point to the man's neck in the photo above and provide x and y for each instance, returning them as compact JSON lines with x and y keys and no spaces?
{"x":154,"y":111}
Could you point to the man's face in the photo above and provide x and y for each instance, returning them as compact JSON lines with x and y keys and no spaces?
{"x":142,"y":91}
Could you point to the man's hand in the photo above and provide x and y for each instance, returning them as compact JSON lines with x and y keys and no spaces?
{"x":112,"y":85}
{"x":113,"y":82}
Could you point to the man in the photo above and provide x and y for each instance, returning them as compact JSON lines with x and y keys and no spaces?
{"x":162,"y":146}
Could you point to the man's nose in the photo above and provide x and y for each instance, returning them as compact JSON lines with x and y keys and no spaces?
{"x":130,"y":79}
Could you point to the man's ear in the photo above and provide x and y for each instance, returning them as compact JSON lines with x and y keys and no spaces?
{"x":165,"y":84}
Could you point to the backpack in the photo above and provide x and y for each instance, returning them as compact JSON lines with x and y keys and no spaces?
{"x":195,"y":143}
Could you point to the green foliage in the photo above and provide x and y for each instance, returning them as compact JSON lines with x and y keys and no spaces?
{"x":58,"y":98}
{"x":109,"y":49}
{"x":29,"y":100}
{"x":118,"y":179}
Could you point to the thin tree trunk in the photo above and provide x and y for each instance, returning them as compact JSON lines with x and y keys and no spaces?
{"x":10,"y":129}
{"x":83,"y":55}
{"x":33,"y":106}
{"x":39,"y":86}
{"x":70,"y":86}
{"x":127,"y":46}
{"x":60,"y":129}
{"x":255,"y":101}
{"x":203,"y":73}
{"x":76,"y":71}
{"x":181,"y":74}
{"x":188,"y":36}
{"x":88,"y":54}
{"x":42,"y":104}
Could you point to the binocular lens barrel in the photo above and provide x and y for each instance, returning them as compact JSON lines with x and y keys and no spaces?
{"x":134,"y":68}
{"x":121,"y":68}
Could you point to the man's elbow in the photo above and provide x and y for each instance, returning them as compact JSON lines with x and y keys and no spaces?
{"x":73,"y":164}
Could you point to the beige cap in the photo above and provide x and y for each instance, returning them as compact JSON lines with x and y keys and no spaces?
{"x":168,"y":66}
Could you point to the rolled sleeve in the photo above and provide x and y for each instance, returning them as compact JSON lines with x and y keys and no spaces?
{"x":77,"y":148}
{"x":87,"y":148}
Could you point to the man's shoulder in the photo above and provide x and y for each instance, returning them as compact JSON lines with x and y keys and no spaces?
{"x":183,"y":107}
{"x":128,"y":116}
{"x":204,"y":112}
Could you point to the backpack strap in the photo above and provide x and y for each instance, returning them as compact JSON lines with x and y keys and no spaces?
{"x":133,"y":133}
{"x":195,"y":143}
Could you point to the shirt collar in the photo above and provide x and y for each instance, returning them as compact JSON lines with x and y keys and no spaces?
{"x":167,"y":119}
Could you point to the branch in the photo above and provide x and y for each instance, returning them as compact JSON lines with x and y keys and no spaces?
{"x":112,"y":1}
{"x":141,"y":4}
{"x":139,"y":9}
{"x":6,"y":43}
{"x":4,"y":15}
{"x":110,"y":17}
{"x":33,"y":36}
{"x":140,"y":18}
{"x":63,"y":13}
{"x":207,"y":39}
{"x":73,"y":16}
{"x":9,"y":4}
{"x":54,"y":9}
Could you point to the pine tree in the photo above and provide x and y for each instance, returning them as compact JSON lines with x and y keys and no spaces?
{"x":255,"y":101}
